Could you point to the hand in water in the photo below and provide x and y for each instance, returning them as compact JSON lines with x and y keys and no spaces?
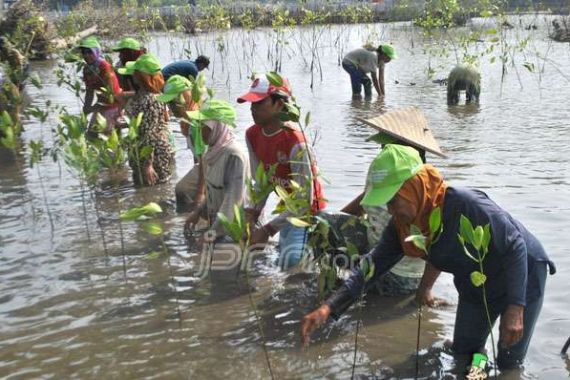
{"x":312,"y":321}
{"x":150,"y":175}
{"x":511,"y":328}
{"x":424,"y":296}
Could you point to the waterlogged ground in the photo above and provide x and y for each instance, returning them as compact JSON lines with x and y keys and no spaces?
{"x":72,"y":306}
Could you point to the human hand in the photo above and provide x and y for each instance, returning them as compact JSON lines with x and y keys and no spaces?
{"x":191,"y":222}
{"x":259,"y":236}
{"x":511,"y":327}
{"x":424,"y":296}
{"x":150,"y":175}
{"x":312,"y":321}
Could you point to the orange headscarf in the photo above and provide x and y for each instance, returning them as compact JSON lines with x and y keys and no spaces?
{"x":152,"y":83}
{"x":425,"y":191}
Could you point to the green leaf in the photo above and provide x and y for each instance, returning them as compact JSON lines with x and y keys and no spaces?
{"x":152,"y":209}
{"x":351,"y":249}
{"x":282,"y":193}
{"x":486,"y":239}
{"x":331,"y":278}
{"x":478,"y":278}
{"x":152,"y":256}
{"x":434,"y":221}
{"x":145,"y":152}
{"x":418,"y":240}
{"x":274,"y":78}
{"x":466,"y":251}
{"x":298,"y":222}
{"x":307,"y":119}
{"x":367,"y":269}
{"x":466,"y":229}
{"x":152,"y":228}
{"x":491,"y":31}
{"x":529,"y":66}
{"x":478,"y":237}
{"x":132,"y":214}
{"x":486,"y":14}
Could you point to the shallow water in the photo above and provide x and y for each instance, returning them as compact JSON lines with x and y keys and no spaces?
{"x":72,"y":307}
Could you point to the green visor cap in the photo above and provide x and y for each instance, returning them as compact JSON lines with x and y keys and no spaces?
{"x":389,"y":51}
{"x":214,"y":109}
{"x":146,"y":63}
{"x":89,"y":43}
{"x":127,"y":43}
{"x":382,"y":139}
{"x":390,"y":169}
{"x":175,"y":86}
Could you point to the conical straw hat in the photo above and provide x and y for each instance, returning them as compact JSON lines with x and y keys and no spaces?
{"x":408,"y":125}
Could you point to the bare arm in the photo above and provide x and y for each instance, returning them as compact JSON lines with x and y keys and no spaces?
{"x":424,"y":295}
{"x":376,"y":84}
{"x":381,"y":79}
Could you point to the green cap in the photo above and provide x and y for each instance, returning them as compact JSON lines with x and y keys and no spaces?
{"x":390,"y":169}
{"x":175,"y":85}
{"x":146,"y":63}
{"x":382,"y":139}
{"x":214,"y":109}
{"x":127,"y":43}
{"x":389,"y":51}
{"x":89,"y":43}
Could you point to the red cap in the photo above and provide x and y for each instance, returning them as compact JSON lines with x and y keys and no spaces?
{"x":261,"y":89}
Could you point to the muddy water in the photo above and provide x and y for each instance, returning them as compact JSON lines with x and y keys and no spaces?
{"x":72,"y":306}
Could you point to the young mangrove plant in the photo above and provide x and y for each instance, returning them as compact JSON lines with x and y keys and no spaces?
{"x":478,"y":239}
{"x":423,"y":243}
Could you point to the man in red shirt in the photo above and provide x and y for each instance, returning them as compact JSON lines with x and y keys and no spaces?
{"x":273,"y":142}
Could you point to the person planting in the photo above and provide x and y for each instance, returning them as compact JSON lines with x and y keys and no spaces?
{"x":360,"y":62}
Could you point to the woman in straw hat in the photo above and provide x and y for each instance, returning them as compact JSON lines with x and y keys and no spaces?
{"x":158,"y":165}
{"x":515,"y":264}
{"x":406,"y":126}
{"x":360,"y":62}
{"x":226,"y":164}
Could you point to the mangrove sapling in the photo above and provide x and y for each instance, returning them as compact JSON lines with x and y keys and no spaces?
{"x":112,"y":157}
{"x":478,"y":238}
{"x":79,"y":155}
{"x":424,"y":243}
{"x":238,"y":230}
{"x":145,"y":216}
{"x":37,"y":152}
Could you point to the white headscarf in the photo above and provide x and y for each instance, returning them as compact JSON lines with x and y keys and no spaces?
{"x":220,"y":137}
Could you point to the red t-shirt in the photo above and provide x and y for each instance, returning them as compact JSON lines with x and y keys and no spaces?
{"x":276,"y":149}
{"x":102,"y":76}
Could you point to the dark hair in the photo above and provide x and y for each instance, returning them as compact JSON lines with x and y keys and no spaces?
{"x":202,"y":59}
{"x":276,"y":96}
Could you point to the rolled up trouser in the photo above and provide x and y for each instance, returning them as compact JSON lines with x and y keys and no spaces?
{"x":292,"y":246}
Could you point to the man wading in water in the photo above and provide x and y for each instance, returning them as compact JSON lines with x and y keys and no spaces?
{"x":358,"y":63}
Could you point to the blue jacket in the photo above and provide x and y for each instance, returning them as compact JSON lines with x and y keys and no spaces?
{"x":185,"y":68}
{"x":509,"y":264}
